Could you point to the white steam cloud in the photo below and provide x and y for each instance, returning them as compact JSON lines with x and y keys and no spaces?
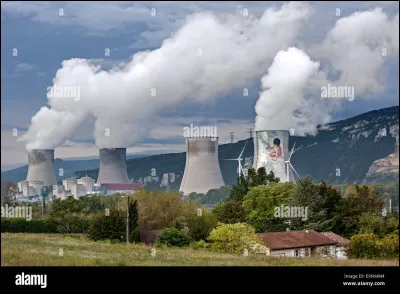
{"x":213,"y":55}
{"x":282,"y":104}
{"x":355,"y":50}
{"x":208,"y":56}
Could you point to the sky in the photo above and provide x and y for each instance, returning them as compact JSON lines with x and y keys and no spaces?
{"x":38,"y":36}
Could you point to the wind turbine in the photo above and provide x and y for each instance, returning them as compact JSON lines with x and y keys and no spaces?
{"x":289,"y":165}
{"x":239,"y":159}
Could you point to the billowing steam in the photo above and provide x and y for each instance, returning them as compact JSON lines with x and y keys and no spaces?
{"x":213,"y":55}
{"x":282,"y":104}
{"x":354,"y":50}
{"x":208,"y":56}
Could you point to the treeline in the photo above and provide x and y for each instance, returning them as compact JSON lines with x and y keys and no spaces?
{"x":247,"y":208}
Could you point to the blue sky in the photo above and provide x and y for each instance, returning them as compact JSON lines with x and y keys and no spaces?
{"x":44,"y":39}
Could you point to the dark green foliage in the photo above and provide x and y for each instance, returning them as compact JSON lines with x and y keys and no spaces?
{"x":254,"y":179}
{"x":73,"y":224}
{"x":20,"y":225}
{"x":363,"y":200}
{"x":323,"y":203}
{"x":173,"y":238}
{"x":112,"y":227}
{"x":201,"y":226}
{"x":230,"y":212}
{"x":213,"y":196}
{"x":239,"y":190}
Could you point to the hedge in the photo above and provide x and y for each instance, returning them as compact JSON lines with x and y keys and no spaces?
{"x":45,"y":225}
{"x":21,"y":225}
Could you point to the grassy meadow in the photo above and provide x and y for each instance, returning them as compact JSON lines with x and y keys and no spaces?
{"x":57,"y":250}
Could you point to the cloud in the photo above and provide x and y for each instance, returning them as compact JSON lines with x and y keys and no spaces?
{"x":353,"y":49}
{"x":24,"y":67}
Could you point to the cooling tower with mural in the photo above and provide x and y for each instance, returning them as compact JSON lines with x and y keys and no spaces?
{"x":271,"y":150}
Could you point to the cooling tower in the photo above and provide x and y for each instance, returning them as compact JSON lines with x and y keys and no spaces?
{"x":271,"y":150}
{"x":41,"y":166}
{"x":112,"y":166}
{"x":202,"y":171}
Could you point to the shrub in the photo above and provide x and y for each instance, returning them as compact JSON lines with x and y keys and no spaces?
{"x":199,"y":245}
{"x":235,"y":238}
{"x":200,"y":227}
{"x":105,"y":227}
{"x":172,"y":237}
{"x":366,"y":246}
{"x":389,"y":246}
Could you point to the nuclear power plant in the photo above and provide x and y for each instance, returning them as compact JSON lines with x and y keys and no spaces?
{"x":41,"y":166}
{"x":112,"y":166}
{"x":271,"y":150}
{"x":202,"y":171}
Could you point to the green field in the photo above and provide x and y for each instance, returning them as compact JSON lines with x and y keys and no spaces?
{"x":44,"y":250}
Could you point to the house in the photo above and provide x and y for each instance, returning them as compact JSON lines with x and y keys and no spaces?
{"x":299,"y":244}
{"x":341,"y":244}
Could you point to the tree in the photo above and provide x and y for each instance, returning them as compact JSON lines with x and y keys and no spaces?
{"x":159,"y":210}
{"x":239,"y":190}
{"x":363,"y":199}
{"x":370,"y":223}
{"x":236,"y":238}
{"x":230,"y":212}
{"x":260,"y":203}
{"x":201,"y":226}
{"x":7,"y":191}
{"x":254,"y":179}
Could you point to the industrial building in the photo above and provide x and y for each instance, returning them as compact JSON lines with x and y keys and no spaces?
{"x":202,"y":170}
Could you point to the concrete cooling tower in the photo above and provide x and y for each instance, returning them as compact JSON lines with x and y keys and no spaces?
{"x":112,"y":166}
{"x":41,"y":166}
{"x":271,"y":150}
{"x":202,"y":171}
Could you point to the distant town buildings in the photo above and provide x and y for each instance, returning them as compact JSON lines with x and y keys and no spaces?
{"x":32,"y":191}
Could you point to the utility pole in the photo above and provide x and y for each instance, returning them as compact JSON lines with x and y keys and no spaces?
{"x":232,"y":136}
{"x":251,"y":132}
{"x":127,"y":221}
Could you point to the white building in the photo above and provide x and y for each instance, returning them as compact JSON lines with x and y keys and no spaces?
{"x":88,"y":183}
{"x":68,"y":182}
{"x":29,"y":188}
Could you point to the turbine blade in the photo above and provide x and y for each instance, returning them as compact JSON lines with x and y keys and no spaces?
{"x":294,"y":170}
{"x":242,"y":150}
{"x":292,"y":150}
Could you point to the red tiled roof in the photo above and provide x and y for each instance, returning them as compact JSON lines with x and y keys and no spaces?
{"x":295,"y":239}
{"x":338,"y":239}
{"x":122,"y":186}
